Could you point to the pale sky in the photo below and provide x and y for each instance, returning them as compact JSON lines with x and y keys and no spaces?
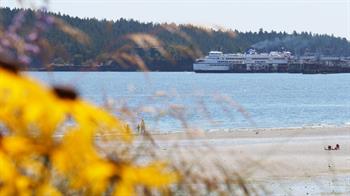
{"x":317,"y":16}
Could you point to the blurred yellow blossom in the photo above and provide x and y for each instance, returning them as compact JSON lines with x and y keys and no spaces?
{"x":26,"y":105}
{"x":12,"y":183}
{"x":50,"y":133}
{"x":18,"y":146}
{"x":47,"y":190}
{"x":77,"y":159}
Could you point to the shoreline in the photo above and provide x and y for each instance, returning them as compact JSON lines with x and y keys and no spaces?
{"x":237,"y":133}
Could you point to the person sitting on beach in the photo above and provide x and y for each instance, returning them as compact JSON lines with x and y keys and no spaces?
{"x":329,"y":147}
{"x":337,"y":147}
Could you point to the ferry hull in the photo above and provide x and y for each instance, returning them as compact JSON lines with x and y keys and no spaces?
{"x":207,"y":68}
{"x":212,"y":71}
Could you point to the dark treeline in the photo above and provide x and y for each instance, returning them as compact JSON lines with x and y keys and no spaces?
{"x":108,"y":36}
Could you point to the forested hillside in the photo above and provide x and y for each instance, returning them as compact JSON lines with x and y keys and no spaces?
{"x":178,"y":40}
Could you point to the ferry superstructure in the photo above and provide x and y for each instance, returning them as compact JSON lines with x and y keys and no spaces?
{"x":217,"y":62}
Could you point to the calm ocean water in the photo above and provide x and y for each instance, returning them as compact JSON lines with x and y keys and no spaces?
{"x":209,"y":101}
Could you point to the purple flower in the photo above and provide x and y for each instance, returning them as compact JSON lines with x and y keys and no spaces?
{"x":32,"y":48}
{"x":49,"y":20}
{"x":14,"y":37}
{"x":24,"y":59}
{"x":5,"y":42}
{"x":28,"y":47}
{"x":33,"y":36}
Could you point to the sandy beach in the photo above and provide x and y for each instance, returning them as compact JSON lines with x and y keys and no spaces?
{"x":285,"y":160}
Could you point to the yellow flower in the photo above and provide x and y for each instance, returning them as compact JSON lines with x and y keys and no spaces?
{"x":11,"y":182}
{"x":18,"y":146}
{"x":7,"y":169}
{"x":47,"y":190}
{"x":27,"y":106}
{"x":99,"y":171}
{"x":78,"y":159}
{"x":22,"y":185}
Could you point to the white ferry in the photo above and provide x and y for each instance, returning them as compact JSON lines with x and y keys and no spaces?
{"x":217,"y":62}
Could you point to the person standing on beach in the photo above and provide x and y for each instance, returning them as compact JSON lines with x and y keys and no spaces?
{"x":142,"y":127}
{"x":138,"y":128}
